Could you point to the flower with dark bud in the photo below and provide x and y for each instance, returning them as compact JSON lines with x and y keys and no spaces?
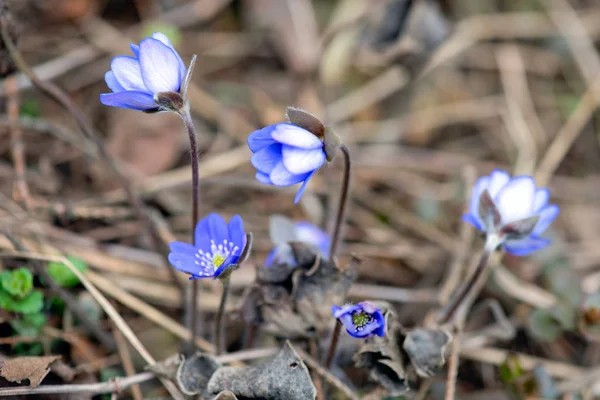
{"x":361,"y":320}
{"x":155,"y":79}
{"x":216,"y":251}
{"x":291,"y":152}
{"x":512,"y":212}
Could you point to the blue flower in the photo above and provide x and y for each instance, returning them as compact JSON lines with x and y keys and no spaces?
{"x":514,"y":199}
{"x":217,"y":245}
{"x":361,"y":320}
{"x":286,"y":154}
{"x":155,"y":68}
{"x":304,"y":232}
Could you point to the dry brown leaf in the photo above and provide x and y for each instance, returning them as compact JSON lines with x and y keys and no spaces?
{"x":33,"y":368}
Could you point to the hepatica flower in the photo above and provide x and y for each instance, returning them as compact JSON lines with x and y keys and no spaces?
{"x":137,"y":81}
{"x":217,"y":245}
{"x":304,"y":232}
{"x":361,"y":320}
{"x":513,"y":210}
{"x":286,"y":154}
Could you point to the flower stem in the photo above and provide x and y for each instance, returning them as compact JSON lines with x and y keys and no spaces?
{"x":333,"y":345}
{"x":193,"y":303}
{"x":335,"y":237}
{"x":449,"y":311}
{"x":219,"y":324}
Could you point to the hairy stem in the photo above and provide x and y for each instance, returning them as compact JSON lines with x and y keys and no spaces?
{"x":448,"y":312}
{"x":333,"y":345}
{"x":192,"y":305}
{"x":339,"y":219}
{"x":220,"y":313}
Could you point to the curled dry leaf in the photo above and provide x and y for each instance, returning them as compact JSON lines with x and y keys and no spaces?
{"x":427,"y":349}
{"x":33,"y":368}
{"x":285,"y":377}
{"x":194,"y":373}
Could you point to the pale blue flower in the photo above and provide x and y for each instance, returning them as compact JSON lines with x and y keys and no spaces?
{"x":304,"y":232}
{"x":286,"y":154}
{"x":154,"y":68}
{"x":361,"y":320}
{"x":515,"y":199}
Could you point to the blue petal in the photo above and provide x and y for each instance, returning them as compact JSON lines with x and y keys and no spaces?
{"x":184,"y":263}
{"x":473,"y":221}
{"x":183,"y":248}
{"x":165,"y":40}
{"x":261,"y":138}
{"x":525,"y":246}
{"x":547,"y":215}
{"x":236,"y":232}
{"x":282,"y":177}
{"x":217,"y":228}
{"x":481,"y":184}
{"x":266,"y":158}
{"x":135,"y":49}
{"x":339,"y":312}
{"x":307,"y":232}
{"x":300,"y":161}
{"x":129,"y":99}
{"x":127,"y":71}
{"x":541,"y":199}
{"x":498,"y":179}
{"x":515,"y":200}
{"x":160,"y":66}
{"x":263,"y":178}
{"x":270,"y":257}
{"x":303,"y":188}
{"x":112,"y":82}
{"x":202,"y":235}
{"x":295,"y":136}
{"x":232,"y":259}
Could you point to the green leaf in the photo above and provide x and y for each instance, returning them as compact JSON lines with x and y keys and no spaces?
{"x":30,"y":108}
{"x":29,"y":325}
{"x":544,"y":325}
{"x":6,"y":300}
{"x":29,"y":349}
{"x":31,"y":304}
{"x":17,"y":283}
{"x":62,"y":275}
{"x":169,"y":30}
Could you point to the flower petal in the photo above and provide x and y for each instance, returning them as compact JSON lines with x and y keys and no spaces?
{"x":112,"y":82}
{"x":307,"y":232}
{"x":301,"y":161}
{"x":261,"y":138}
{"x":202,"y":235}
{"x":541,"y":199}
{"x":338,"y":312}
{"x":184,"y":263}
{"x":129,"y":99}
{"x":265,"y":159}
{"x":498,"y":179}
{"x":160,"y":66}
{"x":481,"y":184}
{"x":293,"y":135}
{"x":165,"y":40}
{"x":303,"y":188}
{"x":183,"y":248}
{"x":236,"y":232}
{"x":282,"y":177}
{"x":135,"y":49}
{"x":127,"y":71}
{"x":515,"y":200}
{"x":525,"y":246}
{"x":217,"y":228}
{"x":263,"y":178}
{"x":473,"y":221}
{"x":547,"y":215}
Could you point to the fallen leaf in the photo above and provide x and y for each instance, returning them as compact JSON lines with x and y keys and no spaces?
{"x":33,"y":368}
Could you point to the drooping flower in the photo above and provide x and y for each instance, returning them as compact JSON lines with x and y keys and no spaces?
{"x":135,"y":81}
{"x":286,"y":154}
{"x":361,"y":320}
{"x":304,"y":232}
{"x":217,"y":245}
{"x":513,"y":210}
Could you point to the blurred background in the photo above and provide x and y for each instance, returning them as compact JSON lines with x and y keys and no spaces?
{"x":428,"y":95}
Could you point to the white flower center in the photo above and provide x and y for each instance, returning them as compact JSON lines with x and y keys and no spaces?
{"x":209,"y":262}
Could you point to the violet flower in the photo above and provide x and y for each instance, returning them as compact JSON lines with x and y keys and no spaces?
{"x":286,"y":154}
{"x":138,"y":81}
{"x":217,"y":246}
{"x":361,"y":320}
{"x":512,"y":211}
{"x":304,"y":232}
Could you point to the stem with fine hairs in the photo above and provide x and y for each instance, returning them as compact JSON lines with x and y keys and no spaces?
{"x":341,"y":211}
{"x":220,"y":313}
{"x":333,"y":345}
